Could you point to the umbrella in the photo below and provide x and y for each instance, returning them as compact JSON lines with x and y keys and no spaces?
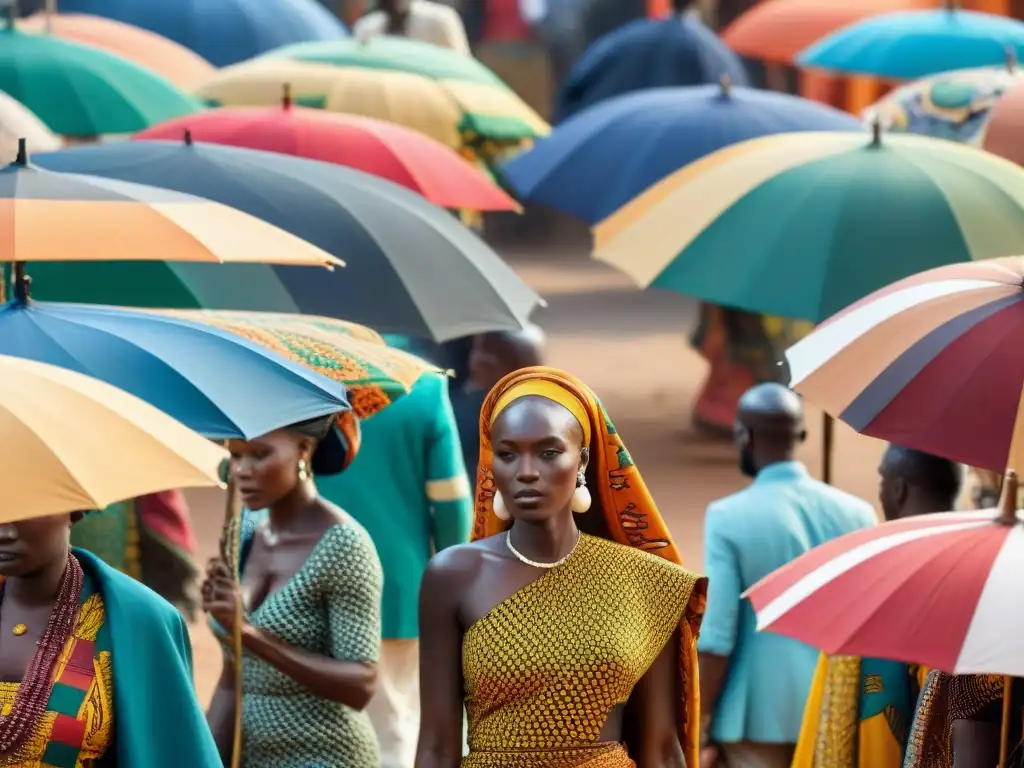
{"x":84,"y":91}
{"x":1006,"y":126}
{"x":154,"y":52}
{"x":411,"y":266}
{"x":445,"y":110}
{"x":385,"y":150}
{"x":17,"y":122}
{"x":644,"y":136}
{"x":777,"y":30}
{"x":917,"y":43}
{"x":928,"y":363}
{"x":66,"y":217}
{"x":952,"y":105}
{"x":75,"y":443}
{"x":221,"y":31}
{"x":802,"y":224}
{"x":214,"y":382}
{"x":648,"y":53}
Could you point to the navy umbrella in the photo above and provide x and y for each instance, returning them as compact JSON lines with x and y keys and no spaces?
{"x":411,"y":267}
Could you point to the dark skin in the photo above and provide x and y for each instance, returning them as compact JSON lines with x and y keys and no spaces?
{"x":397,"y":12}
{"x":769,"y":427}
{"x":266,"y":471}
{"x":497,"y":354}
{"x":538,"y":452}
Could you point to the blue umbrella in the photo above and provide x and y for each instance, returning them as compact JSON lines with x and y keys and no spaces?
{"x":648,"y":53}
{"x":219,"y":384}
{"x":640,"y":138}
{"x":914,"y":44}
{"x":221,"y":31}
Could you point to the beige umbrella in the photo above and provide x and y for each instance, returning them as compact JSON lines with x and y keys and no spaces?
{"x":74,"y":443}
{"x":17,"y":122}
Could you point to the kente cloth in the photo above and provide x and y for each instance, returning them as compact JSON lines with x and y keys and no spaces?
{"x":628,"y":516}
{"x":858,"y":713}
{"x":77,"y":727}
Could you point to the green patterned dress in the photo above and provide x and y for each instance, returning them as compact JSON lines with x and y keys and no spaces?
{"x":332,"y":607}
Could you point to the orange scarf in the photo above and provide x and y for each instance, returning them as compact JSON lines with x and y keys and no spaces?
{"x":630,"y":514}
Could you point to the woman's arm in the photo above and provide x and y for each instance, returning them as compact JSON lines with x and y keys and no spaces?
{"x":221,"y":714}
{"x":654,"y":711}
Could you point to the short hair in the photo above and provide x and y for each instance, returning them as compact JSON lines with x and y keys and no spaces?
{"x":939,"y":477}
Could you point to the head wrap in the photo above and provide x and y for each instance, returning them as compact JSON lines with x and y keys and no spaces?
{"x":337,"y":438}
{"x":629,"y":512}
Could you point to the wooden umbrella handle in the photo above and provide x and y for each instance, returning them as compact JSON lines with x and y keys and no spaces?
{"x":230,"y":550}
{"x":1005,"y":736}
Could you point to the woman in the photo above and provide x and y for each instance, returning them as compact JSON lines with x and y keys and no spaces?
{"x":311,"y":589}
{"x":569,"y":633}
{"x":96,"y":668}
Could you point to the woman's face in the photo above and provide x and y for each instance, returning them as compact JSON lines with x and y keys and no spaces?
{"x":537,"y":446}
{"x":266,"y":469}
{"x":29,"y":546}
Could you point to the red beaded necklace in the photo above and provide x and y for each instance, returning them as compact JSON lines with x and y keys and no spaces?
{"x":34,"y":692}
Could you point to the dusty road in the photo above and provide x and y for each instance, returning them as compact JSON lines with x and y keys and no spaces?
{"x":631,"y":348}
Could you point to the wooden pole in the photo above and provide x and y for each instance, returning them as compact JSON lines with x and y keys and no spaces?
{"x":828,"y":425}
{"x":51,"y":11}
{"x":1005,"y":736}
{"x":230,"y":550}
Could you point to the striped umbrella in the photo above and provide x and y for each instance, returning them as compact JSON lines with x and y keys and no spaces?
{"x":930,"y":362}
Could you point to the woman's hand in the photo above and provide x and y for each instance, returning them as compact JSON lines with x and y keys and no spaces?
{"x":221,"y":594}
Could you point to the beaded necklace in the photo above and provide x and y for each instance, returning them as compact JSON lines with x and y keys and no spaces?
{"x":34,"y":692}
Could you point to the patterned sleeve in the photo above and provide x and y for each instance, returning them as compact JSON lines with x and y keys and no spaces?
{"x":353,"y":586}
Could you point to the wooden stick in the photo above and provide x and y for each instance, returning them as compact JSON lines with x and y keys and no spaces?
{"x":828,"y":426}
{"x":230,"y":547}
{"x":1005,"y":737}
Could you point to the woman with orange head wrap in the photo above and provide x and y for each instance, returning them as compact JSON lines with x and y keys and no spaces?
{"x":567,"y":628}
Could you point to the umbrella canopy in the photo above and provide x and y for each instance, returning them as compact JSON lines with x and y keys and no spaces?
{"x":446,"y":110}
{"x":1006,"y":125}
{"x":411,"y":266}
{"x":802,"y":224}
{"x":188,"y":370}
{"x":928,"y":363}
{"x":777,"y":30}
{"x":84,"y":91}
{"x":648,"y":53}
{"x":117,"y":221}
{"x":644,"y":136}
{"x":952,"y":105}
{"x":917,"y":43}
{"x":221,"y":31}
{"x":385,"y":150}
{"x":75,"y":443}
{"x":17,"y":122}
{"x":187,"y":70}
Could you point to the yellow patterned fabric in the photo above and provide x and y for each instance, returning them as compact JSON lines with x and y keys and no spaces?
{"x":544,"y":669}
{"x":96,"y":710}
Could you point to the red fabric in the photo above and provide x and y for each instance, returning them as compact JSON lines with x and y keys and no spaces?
{"x":68,"y":730}
{"x":167,"y":515}
{"x":383,"y":149}
{"x":503,"y":23}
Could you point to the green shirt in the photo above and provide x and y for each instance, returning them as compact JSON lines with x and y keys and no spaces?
{"x":408,"y":488}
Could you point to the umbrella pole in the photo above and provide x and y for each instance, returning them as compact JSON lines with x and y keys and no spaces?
{"x":828,"y":424}
{"x":1005,"y":736}
{"x":230,"y":546}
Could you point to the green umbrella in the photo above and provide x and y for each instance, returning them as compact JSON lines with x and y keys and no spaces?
{"x":79,"y":90}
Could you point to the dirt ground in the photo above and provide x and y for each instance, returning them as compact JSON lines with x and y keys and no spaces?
{"x":630,"y":347}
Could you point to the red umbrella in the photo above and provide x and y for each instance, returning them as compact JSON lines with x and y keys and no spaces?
{"x":383,"y":149}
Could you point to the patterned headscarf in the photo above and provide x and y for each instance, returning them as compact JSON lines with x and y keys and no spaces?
{"x":629,"y":513}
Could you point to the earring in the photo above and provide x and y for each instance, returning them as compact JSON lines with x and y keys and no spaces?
{"x":500,"y":510}
{"x":303,"y":470}
{"x":581,"y":500}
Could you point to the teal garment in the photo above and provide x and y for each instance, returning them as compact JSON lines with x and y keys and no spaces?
{"x":160,"y":723}
{"x":409,"y":450}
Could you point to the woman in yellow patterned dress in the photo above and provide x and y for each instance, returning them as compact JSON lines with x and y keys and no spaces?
{"x":567,"y":628}
{"x":75,"y":692}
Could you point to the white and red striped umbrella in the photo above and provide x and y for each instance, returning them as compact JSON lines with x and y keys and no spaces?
{"x":943,"y":590}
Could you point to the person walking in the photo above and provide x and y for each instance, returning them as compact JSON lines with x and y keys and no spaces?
{"x":424,"y":20}
{"x":754,"y":686}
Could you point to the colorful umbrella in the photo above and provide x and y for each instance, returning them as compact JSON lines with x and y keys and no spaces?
{"x":802,"y":224}
{"x":191,"y":371}
{"x":952,"y":105}
{"x":80,"y":90}
{"x":74,"y":443}
{"x":648,"y":53}
{"x":928,"y":363}
{"x":644,"y":136}
{"x":104,"y":219}
{"x":917,"y":43}
{"x":777,"y":30}
{"x":154,"y":52}
{"x":1006,"y":126}
{"x":17,"y":122}
{"x":221,"y":31}
{"x":385,"y":150}
{"x":411,"y":266}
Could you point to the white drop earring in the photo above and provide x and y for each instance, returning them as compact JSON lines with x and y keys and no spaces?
{"x":500,"y":510}
{"x":581,"y":500}
{"x":303,"y":470}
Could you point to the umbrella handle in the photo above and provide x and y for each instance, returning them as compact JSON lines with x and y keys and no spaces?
{"x":1005,"y":735}
{"x":828,"y":427}
{"x":230,"y":550}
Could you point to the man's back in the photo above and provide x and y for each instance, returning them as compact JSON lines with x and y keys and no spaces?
{"x":429,"y":22}
{"x":781,"y":515}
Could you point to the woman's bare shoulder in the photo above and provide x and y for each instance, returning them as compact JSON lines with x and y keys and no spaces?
{"x":458,"y":566}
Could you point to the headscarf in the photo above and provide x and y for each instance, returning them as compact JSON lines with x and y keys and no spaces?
{"x":629,"y":512}
{"x":337,"y":436}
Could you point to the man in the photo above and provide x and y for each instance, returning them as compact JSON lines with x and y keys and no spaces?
{"x":754,"y":686}
{"x":408,"y":488}
{"x":423,"y":20}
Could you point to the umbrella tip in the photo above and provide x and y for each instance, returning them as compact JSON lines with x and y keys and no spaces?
{"x":22,"y":158}
{"x":1008,"y":500}
{"x":21,"y":282}
{"x":876,"y":131}
{"x":1011,"y":58}
{"x":188,"y":138}
{"x":726,"y":82}
{"x":286,"y":96}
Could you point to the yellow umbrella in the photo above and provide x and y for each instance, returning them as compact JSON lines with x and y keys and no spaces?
{"x":75,"y":443}
{"x":18,"y":122}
